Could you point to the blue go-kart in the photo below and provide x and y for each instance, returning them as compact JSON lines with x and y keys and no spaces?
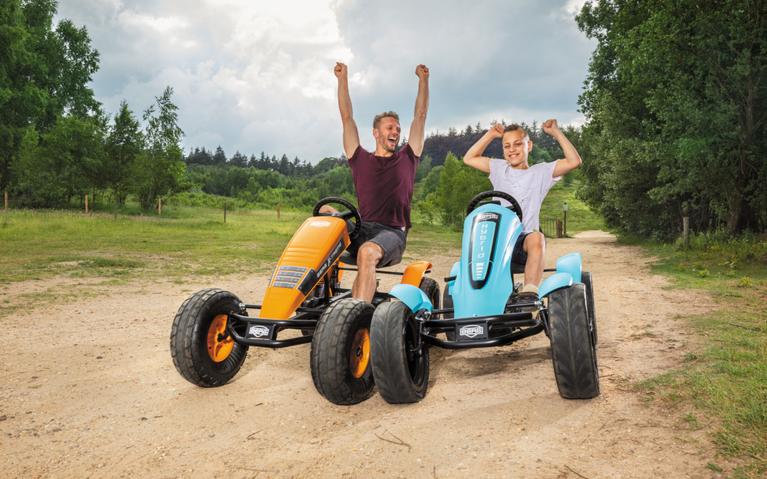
{"x":481,"y":309}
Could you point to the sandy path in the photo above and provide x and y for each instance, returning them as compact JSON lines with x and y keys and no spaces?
{"x":89,"y":390}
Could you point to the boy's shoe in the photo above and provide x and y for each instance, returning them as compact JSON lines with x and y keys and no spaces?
{"x":525,"y":297}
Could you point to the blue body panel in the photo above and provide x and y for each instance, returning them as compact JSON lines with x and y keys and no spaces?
{"x":571,"y":264}
{"x":483,"y":283}
{"x":413,"y":297}
{"x":553,"y":283}
{"x":453,"y":272}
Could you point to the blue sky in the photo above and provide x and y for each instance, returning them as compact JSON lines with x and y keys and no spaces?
{"x":257,"y":75}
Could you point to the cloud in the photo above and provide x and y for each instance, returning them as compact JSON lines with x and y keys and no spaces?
{"x":256,"y":76}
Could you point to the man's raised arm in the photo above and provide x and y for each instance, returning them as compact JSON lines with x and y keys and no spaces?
{"x":351,"y":135}
{"x":416,"y":135}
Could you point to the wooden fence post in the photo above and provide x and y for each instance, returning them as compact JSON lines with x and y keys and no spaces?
{"x":86,"y":203}
{"x":5,"y":200}
{"x":686,"y":231}
{"x":159,"y":206}
{"x":559,"y":228}
{"x":224,"y":211}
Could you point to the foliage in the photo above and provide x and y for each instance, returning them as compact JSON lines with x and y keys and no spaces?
{"x":675,"y":102}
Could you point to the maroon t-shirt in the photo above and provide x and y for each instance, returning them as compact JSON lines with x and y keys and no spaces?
{"x":384,"y":185}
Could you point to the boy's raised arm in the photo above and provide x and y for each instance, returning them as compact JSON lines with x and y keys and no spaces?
{"x":474,"y":157}
{"x":351,"y":135}
{"x":572,"y":159}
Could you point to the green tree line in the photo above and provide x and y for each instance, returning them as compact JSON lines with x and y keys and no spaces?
{"x":675,"y":103}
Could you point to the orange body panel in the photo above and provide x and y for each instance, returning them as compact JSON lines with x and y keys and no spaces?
{"x":414,"y":273}
{"x":312,"y":250}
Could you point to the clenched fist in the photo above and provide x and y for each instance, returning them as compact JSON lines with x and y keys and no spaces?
{"x":550,"y":127}
{"x":495,"y":130}
{"x":340,"y":70}
{"x":422,"y":72}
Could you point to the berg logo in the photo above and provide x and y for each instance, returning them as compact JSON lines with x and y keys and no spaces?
{"x":471,"y":331}
{"x":258,"y":331}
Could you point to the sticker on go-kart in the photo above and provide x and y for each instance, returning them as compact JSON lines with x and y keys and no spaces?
{"x":259,"y":331}
{"x":472,"y":331}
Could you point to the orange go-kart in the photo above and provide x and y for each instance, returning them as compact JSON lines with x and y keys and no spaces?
{"x":212,"y":331}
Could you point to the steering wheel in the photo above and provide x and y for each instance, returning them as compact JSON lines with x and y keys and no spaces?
{"x":491,"y":194}
{"x":352,"y":214}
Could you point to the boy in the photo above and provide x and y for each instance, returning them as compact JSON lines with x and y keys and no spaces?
{"x":528,"y":185}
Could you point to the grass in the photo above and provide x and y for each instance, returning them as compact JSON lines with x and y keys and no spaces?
{"x":579,"y":216}
{"x":724,"y":384}
{"x":185,"y":241}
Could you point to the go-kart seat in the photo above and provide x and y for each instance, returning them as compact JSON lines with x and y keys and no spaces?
{"x":348,"y":258}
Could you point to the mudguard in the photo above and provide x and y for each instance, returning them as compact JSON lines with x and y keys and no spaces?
{"x":414,"y":273}
{"x":571,"y":264}
{"x":413,"y":297}
{"x":554,"y":282}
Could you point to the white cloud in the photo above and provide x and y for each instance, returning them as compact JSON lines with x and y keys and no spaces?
{"x":257,"y":76}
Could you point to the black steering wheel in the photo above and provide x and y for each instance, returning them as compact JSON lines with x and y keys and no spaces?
{"x":475,"y":202}
{"x":352,"y":214}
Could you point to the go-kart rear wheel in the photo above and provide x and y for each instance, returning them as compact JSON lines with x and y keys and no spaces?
{"x":400,"y":358}
{"x":431,"y":288}
{"x":572,"y":350}
{"x":202,"y":349}
{"x":586,"y":279}
{"x":340,"y":355}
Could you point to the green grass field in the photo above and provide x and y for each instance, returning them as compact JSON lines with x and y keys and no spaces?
{"x":723,"y":385}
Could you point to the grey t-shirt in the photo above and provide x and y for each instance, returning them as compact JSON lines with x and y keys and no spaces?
{"x":529,"y":187}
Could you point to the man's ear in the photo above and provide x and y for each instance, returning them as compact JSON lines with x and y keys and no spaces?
{"x":376,"y":134}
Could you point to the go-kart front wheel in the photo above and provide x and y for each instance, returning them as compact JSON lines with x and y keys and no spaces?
{"x":572,"y":348}
{"x":340,"y":355}
{"x":203,"y":351}
{"x":400,"y":358}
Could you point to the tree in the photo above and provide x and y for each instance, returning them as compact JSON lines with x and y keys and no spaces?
{"x":457,"y":185}
{"x":124,"y":144}
{"x":159,"y":169}
{"x":676,"y":120}
{"x":44,"y":74}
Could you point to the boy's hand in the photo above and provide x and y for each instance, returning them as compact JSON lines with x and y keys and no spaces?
{"x":422,"y":72}
{"x":495,"y":130}
{"x":550,"y":127}
{"x":340,"y":70}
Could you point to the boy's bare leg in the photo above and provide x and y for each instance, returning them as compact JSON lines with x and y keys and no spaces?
{"x":535,"y":246}
{"x":368,"y":256}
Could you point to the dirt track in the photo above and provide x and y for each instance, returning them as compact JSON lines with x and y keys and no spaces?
{"x":89,"y":390}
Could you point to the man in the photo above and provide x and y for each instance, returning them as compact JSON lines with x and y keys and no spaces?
{"x":528,"y":185}
{"x":383,"y":181}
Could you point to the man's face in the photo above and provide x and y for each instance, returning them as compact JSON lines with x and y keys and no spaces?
{"x":387,"y":134}
{"x":516,"y":147}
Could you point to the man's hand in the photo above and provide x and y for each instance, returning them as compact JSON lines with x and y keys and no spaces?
{"x":550,"y":127}
{"x":495,"y":130}
{"x":340,"y":70}
{"x":422,"y":72}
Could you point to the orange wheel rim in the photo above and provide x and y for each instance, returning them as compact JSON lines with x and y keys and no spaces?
{"x":220,"y":344}
{"x":360,"y":353}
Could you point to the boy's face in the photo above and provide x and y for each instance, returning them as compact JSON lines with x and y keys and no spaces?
{"x":516,"y":147}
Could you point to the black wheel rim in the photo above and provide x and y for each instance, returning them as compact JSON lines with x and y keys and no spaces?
{"x":414,"y":352}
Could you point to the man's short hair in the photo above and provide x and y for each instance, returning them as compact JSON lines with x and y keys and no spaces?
{"x":381,"y":116}
{"x":515,"y":127}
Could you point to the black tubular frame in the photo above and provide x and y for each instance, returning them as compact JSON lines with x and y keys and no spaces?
{"x":306,"y":319}
{"x":521,"y":320}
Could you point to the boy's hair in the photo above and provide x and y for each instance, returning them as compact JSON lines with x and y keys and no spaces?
{"x":381,"y":116}
{"x":515,"y":127}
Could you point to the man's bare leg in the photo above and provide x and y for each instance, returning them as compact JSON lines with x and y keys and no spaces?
{"x":535,"y":246}
{"x":368,"y":256}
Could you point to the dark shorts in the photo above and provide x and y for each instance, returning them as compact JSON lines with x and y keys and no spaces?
{"x":519,"y":256}
{"x":391,"y":240}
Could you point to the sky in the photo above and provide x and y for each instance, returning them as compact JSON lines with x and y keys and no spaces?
{"x":257,"y":75}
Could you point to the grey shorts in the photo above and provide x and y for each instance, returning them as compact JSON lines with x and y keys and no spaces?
{"x":391,"y":240}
